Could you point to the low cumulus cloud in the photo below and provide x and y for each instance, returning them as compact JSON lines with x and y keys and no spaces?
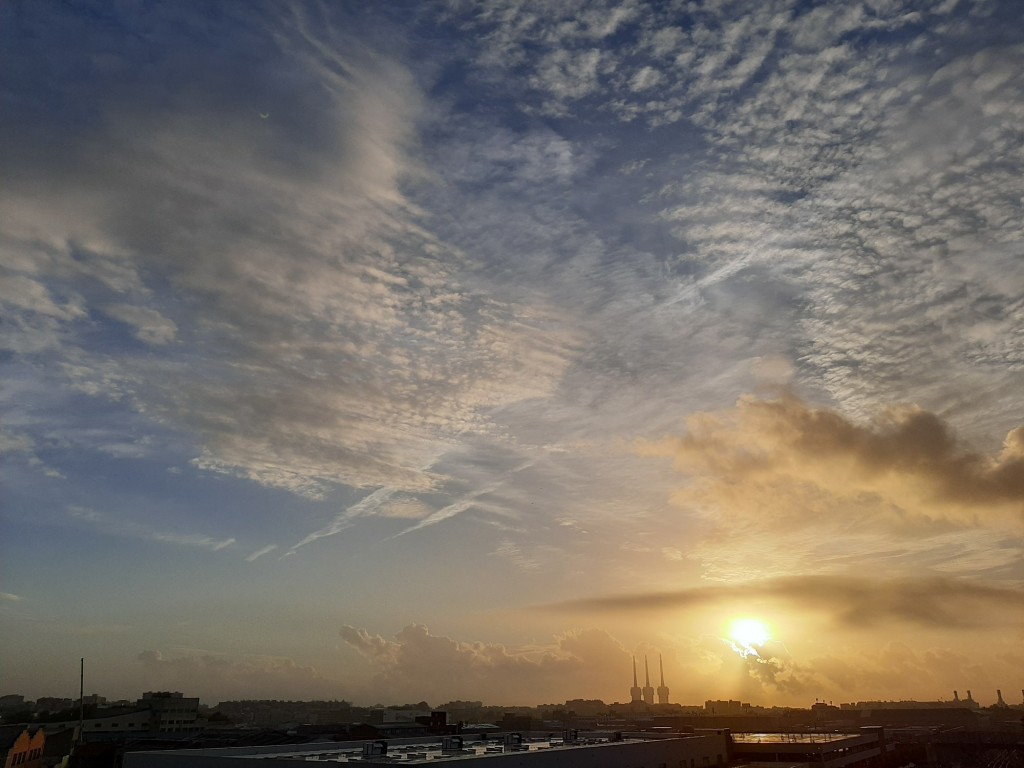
{"x":851,"y":601}
{"x":419,"y":664}
{"x":217,"y":676}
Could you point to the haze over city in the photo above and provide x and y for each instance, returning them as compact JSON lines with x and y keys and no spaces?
{"x":413,"y":351}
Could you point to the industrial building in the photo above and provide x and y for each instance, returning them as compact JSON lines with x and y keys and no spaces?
{"x":645,"y":695}
{"x":822,"y":750}
{"x":156,"y":711}
{"x":508,"y":750}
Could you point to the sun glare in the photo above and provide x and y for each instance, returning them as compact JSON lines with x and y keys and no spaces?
{"x":747,"y":635}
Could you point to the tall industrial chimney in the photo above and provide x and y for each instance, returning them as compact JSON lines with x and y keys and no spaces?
{"x":634,"y":692}
{"x":648,"y":688}
{"x":662,"y":689}
{"x":999,"y":700}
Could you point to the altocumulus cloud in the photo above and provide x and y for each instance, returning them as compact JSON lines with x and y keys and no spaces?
{"x":311,"y":330}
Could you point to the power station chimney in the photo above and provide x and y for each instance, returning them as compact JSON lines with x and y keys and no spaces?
{"x":956,"y":696}
{"x":648,"y":688}
{"x":999,"y":702}
{"x":662,"y":689}
{"x":634,"y":692}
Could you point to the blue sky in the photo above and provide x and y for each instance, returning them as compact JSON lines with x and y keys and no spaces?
{"x":463,"y":350}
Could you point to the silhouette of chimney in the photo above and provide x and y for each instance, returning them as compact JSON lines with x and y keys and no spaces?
{"x":662,"y":689}
{"x":956,"y":696}
{"x":999,"y":700}
{"x":634,"y":692}
{"x":648,"y":688}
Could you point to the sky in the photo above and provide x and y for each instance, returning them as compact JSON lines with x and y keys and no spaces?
{"x":465,"y":350}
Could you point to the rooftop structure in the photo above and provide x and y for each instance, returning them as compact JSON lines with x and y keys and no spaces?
{"x":606,"y":750}
{"x":823,"y":750}
{"x":788,"y":738}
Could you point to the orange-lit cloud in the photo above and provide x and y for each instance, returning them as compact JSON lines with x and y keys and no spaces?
{"x":418,"y":664}
{"x":906,"y":458}
{"x":848,"y":600}
{"x":786,"y":488}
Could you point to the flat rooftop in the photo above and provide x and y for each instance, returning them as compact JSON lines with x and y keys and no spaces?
{"x":429,"y":750}
{"x":789,"y":738}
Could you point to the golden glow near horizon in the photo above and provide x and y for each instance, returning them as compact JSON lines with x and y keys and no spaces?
{"x":747,"y":635}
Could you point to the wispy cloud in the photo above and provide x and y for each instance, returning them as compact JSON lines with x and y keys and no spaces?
{"x":388,"y":354}
{"x":851,"y":601}
{"x":138,"y":530}
{"x":150,"y":326}
{"x":261,"y":552}
{"x":468,"y":500}
{"x":190,"y":540}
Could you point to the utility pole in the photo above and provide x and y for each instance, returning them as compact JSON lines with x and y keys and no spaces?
{"x":81,"y":698}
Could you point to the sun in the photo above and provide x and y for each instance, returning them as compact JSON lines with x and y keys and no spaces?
{"x":747,"y":635}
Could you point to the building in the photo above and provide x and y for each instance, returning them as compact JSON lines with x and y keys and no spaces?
{"x":403,"y":715}
{"x":719,"y":707}
{"x":25,"y":750}
{"x":53,"y":704}
{"x":12,"y":702}
{"x":939,"y":717}
{"x":160,"y":711}
{"x":170,"y":711}
{"x":93,"y":700}
{"x":822,"y":750}
{"x":507,"y":750}
{"x":129,"y":720}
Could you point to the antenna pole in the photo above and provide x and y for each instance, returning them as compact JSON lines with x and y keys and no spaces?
{"x":81,"y":698}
